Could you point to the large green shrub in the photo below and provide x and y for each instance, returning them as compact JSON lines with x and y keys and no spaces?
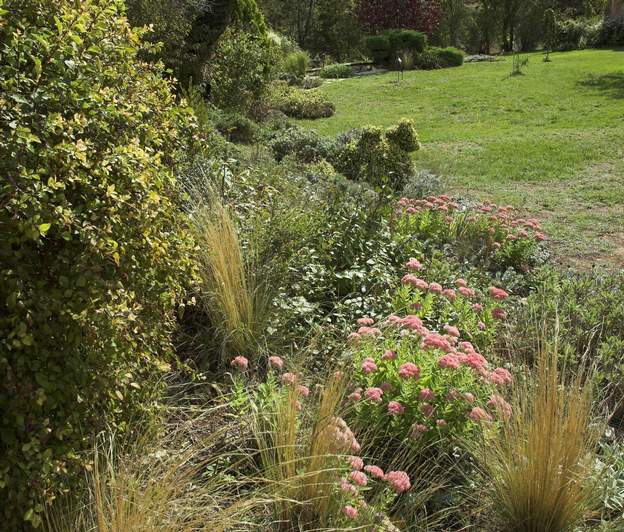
{"x":434,"y":57}
{"x":305,"y":145}
{"x":573,"y":34}
{"x":378,"y":47}
{"x":295,"y":64}
{"x":299,"y":103}
{"x":241,"y":69}
{"x":92,"y":257}
{"x":336,"y":71}
{"x":385,"y":48}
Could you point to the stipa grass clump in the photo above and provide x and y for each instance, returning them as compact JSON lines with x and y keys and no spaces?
{"x":541,"y":462}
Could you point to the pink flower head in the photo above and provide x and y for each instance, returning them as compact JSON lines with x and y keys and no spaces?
{"x":435,"y":288}
{"x":398,"y":480}
{"x":359,"y":478}
{"x":500,"y":376}
{"x":368,"y":365}
{"x":461,"y":283}
{"x":354,"y":396}
{"x":467,"y":347}
{"x":395,"y":408}
{"x":413,"y":264}
{"x":477,"y":307}
{"x":452,"y":395}
{"x":289,"y":379}
{"x":409,"y":370}
{"x":449,"y":361}
{"x":298,"y":406}
{"x":347,"y":487}
{"x":365,"y":320}
{"x":303,"y":390}
{"x":499,"y":314}
{"x":353,"y":337}
{"x":466,"y":292}
{"x":478,"y":414}
{"x":441,"y":423}
{"x":426,"y":395}
{"x":389,"y":355}
{"x":427,"y":410}
{"x":276,"y":362}
{"x":350,"y":511}
{"x":451,"y":330}
{"x":356,"y":462}
{"x":240,"y":362}
{"x":468,"y":397}
{"x":449,"y":294}
{"x":374,"y":471}
{"x":481,"y":325}
{"x":474,"y":360}
{"x":498,"y":293}
{"x":386,"y":386}
{"x":373,"y":394}
{"x":418,"y":430}
{"x":412,"y":322}
{"x":503,"y":407}
{"x":436,"y":341}
{"x":372,"y":331}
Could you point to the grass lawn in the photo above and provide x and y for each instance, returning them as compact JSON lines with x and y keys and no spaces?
{"x":550,"y":141}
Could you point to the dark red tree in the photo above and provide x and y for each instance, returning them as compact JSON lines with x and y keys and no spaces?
{"x":379,"y":15}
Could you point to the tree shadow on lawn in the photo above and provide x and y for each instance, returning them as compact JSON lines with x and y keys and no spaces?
{"x":611,"y":84}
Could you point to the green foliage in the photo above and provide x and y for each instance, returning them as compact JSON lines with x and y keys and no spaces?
{"x":404,"y":135}
{"x":433,"y":58}
{"x":306,"y":146}
{"x":299,"y":103}
{"x":378,"y":47}
{"x":237,"y":128}
{"x":336,"y":71}
{"x":295,"y":64}
{"x":93,"y":257}
{"x":574,"y":34}
{"x":612,"y":31}
{"x":248,"y":15}
{"x":386,"y":47}
{"x":241,"y":70}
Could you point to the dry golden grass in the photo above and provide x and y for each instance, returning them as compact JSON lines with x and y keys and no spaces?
{"x":236,"y":300}
{"x":541,"y":462}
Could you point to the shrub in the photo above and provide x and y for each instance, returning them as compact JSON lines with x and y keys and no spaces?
{"x":241,"y":70}
{"x":406,"y":40}
{"x":422,"y":184}
{"x":298,"y":103}
{"x":573,"y":34}
{"x":305,"y":145}
{"x":612,"y":31}
{"x":404,"y":135}
{"x":237,"y":128}
{"x":336,"y":71}
{"x":247,"y":15}
{"x":296,"y":64}
{"x":379,"y":48}
{"x":433,"y":58}
{"x":93,"y":255}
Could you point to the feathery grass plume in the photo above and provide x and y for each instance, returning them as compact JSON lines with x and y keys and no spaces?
{"x":177,"y":483}
{"x":235,"y":298}
{"x":540,"y":463}
{"x":299,"y":457}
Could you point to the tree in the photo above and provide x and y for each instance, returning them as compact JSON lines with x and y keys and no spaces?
{"x":550,"y":32}
{"x":334,"y":31}
{"x":454,"y":15}
{"x":379,"y":15}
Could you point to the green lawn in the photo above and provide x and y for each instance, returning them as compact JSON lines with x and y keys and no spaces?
{"x":550,"y":142}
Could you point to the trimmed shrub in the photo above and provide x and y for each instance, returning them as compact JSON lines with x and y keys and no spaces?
{"x":336,"y":71}
{"x":406,"y":40}
{"x":298,"y":103}
{"x":306,"y":146}
{"x":249,"y":16}
{"x":450,"y":57}
{"x":404,"y":135}
{"x":378,"y":47}
{"x":433,"y":58}
{"x":92,"y":254}
{"x":237,"y":128}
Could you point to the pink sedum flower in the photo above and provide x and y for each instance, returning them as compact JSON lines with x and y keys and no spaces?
{"x":240,"y":362}
{"x":399,"y":481}
{"x":347,"y":487}
{"x":468,"y":397}
{"x":303,"y":390}
{"x":395,"y":408}
{"x":499,"y":313}
{"x":350,"y":511}
{"x":478,"y":414}
{"x":365,"y":320}
{"x":409,"y":371}
{"x":374,"y":471}
{"x":441,"y":423}
{"x":418,"y":429}
{"x":449,"y":294}
{"x":436,"y":288}
{"x":374,"y":394}
{"x":289,"y":379}
{"x":386,"y":386}
{"x":451,"y":330}
{"x":389,"y":355}
{"x":461,"y":283}
{"x":414,"y":264}
{"x":498,"y":293}
{"x":369,"y":366}
{"x":477,"y":307}
{"x":449,"y":361}
{"x":358,"y":478}
{"x":354,"y":396}
{"x":503,"y":407}
{"x":500,"y":376}
{"x":353,"y":337}
{"x":427,"y":410}
{"x":466,"y":292}
{"x":276,"y":362}
{"x":426,"y":395}
{"x":356,"y":462}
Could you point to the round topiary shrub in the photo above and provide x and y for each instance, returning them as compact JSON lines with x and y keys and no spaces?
{"x":92,"y":257}
{"x":336,"y":71}
{"x":404,"y":135}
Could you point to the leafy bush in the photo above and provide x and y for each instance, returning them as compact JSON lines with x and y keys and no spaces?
{"x":247,"y":15}
{"x":433,"y":58}
{"x":93,"y":255}
{"x":574,"y":34}
{"x":298,"y":103}
{"x":385,"y":48}
{"x":378,"y":47}
{"x":305,"y":145}
{"x":237,"y":128}
{"x":422,"y":184}
{"x":404,"y":135}
{"x":336,"y":71}
{"x":296,"y":64}
{"x":612,"y":31}
{"x":241,"y":70}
